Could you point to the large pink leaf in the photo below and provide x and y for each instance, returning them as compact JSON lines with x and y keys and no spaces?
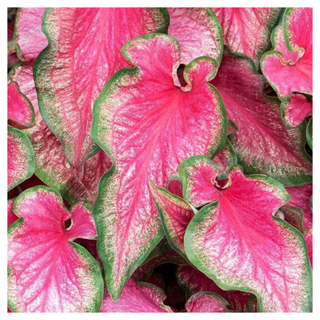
{"x":20,"y":158}
{"x":288,"y":67}
{"x":19,"y":107}
{"x":207,"y":302}
{"x":175,"y":216}
{"x":53,"y":169}
{"x":247,"y":30}
{"x":309,"y":241}
{"x":47,"y":273}
{"x":198,"y":32}
{"x":263,"y":143}
{"x":148,"y":125}
{"x":194,"y":281}
{"x":300,"y":197}
{"x":238,"y":243}
{"x":141,"y":297}
{"x":11,"y":216}
{"x":83,"y":53}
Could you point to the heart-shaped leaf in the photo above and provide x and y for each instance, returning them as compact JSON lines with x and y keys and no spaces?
{"x":247,"y":30}
{"x":263,"y":143}
{"x":46,"y":272}
{"x":288,"y":68}
{"x":207,"y":302}
{"x":198,"y":32}
{"x":175,"y":216}
{"x":20,"y":158}
{"x":244,"y":247}
{"x":140,"y":297}
{"x":83,"y":53}
{"x":148,"y":125}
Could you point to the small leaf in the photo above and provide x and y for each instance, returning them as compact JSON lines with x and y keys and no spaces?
{"x":288,"y":68}
{"x":294,"y":216}
{"x":198,"y":32}
{"x":175,"y":216}
{"x":141,"y":297}
{"x":47,"y":273}
{"x":242,"y":246}
{"x":207,"y":302}
{"x":20,"y":158}
{"x":11,"y":216}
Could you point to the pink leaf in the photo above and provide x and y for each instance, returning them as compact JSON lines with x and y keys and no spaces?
{"x":296,"y":110}
{"x":198,"y":32}
{"x":174,"y":186}
{"x":207,"y":302}
{"x":194,"y":281}
{"x":54,"y":170}
{"x":19,"y":107}
{"x":11,"y":216}
{"x":47,"y":273}
{"x":237,"y":243}
{"x":308,"y":238}
{"x":20,"y":158}
{"x":288,"y":68}
{"x":247,"y":30}
{"x":175,"y":215}
{"x":28,"y":33}
{"x":83,"y":53}
{"x":300,"y":197}
{"x":141,"y":297}
{"x":148,"y":125}
{"x":262,"y":143}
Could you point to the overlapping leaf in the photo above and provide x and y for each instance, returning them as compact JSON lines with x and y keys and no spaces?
{"x":263,"y":143}
{"x":300,"y":197}
{"x":242,"y":246}
{"x":247,"y":30}
{"x":46,"y":272}
{"x":288,"y":67}
{"x":148,"y":125}
{"x":193,"y":281}
{"x":11,"y":217}
{"x":310,"y":134}
{"x":141,"y":297}
{"x":20,"y":158}
{"x":309,"y":241}
{"x":175,"y":216}
{"x":198,"y":32}
{"x":83,"y":53}
{"x":207,"y":302}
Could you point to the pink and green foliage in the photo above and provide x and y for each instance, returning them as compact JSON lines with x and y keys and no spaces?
{"x":247,"y":30}
{"x":11,"y":218}
{"x":193,"y":281}
{"x":268,"y":256}
{"x":47,"y":273}
{"x":262,"y":143}
{"x":20,"y":158}
{"x":207,"y":302}
{"x":288,"y":67}
{"x":83,"y":53}
{"x":200,"y":26}
{"x":300,"y":197}
{"x":159,"y":160}
{"x":141,"y":297}
{"x":309,"y":241}
{"x":147,"y":139}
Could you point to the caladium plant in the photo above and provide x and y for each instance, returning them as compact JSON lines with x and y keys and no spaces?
{"x":160,"y":160}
